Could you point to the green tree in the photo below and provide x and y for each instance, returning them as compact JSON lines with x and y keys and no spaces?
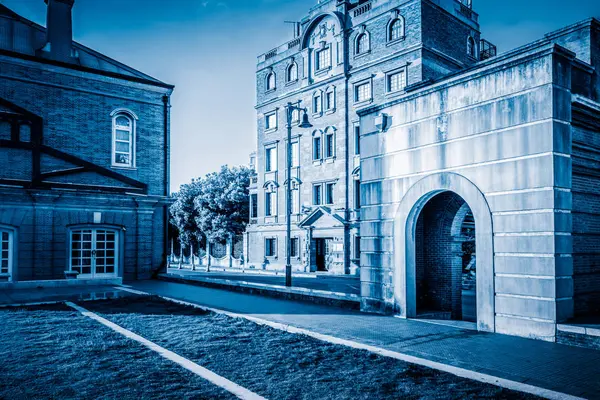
{"x":222,"y":206}
{"x":184,"y":214}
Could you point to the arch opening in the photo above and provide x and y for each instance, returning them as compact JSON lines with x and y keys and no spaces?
{"x":445,"y":261}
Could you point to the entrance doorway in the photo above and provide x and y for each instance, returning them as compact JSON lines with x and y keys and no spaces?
{"x":321,"y":252}
{"x":446,"y":267}
{"x":94,"y":253}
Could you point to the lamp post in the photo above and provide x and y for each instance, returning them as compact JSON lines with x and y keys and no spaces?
{"x":289,"y":109}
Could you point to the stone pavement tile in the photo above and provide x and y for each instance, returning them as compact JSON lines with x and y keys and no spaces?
{"x":557,"y":367}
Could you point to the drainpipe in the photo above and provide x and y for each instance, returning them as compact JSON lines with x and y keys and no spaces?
{"x":166,"y":141}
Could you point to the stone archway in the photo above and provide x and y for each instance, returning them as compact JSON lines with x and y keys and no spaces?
{"x":405,"y":226}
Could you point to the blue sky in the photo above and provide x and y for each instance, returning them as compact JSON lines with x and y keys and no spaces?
{"x":208,"y":49}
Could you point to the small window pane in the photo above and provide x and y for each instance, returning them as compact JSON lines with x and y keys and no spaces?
{"x":123,"y":135}
{"x":122,"y":147}
{"x":122,"y":159}
{"x":123,"y":122}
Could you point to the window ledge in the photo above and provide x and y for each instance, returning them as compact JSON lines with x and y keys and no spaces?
{"x":330,"y":160}
{"x":332,"y":111}
{"x":270,"y":91}
{"x":317,"y":115}
{"x":363,"y":54}
{"x":323,"y":71}
{"x":290,"y":83}
{"x":271,"y":130}
{"x":363,"y":102}
{"x":395,"y":41}
{"x":317,"y":162}
{"x":125,"y":168}
{"x":395,"y":93}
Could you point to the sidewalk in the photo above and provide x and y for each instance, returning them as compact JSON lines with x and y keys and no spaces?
{"x":565,"y":369}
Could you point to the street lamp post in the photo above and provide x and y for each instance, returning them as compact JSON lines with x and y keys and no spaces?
{"x":290,"y":108}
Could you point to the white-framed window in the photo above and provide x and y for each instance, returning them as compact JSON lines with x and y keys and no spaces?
{"x":6,"y":251}
{"x":123,"y":139}
{"x":270,"y":247}
{"x":270,"y":199}
{"x":317,"y":147}
{"x":295,"y":116}
{"x":356,"y":138}
{"x":317,"y":103}
{"x":396,"y":80}
{"x":94,"y":252}
{"x":270,"y":159}
{"x":330,"y":143}
{"x":292,"y":72}
{"x":271,"y":121}
{"x":296,"y":200}
{"x":362,"y":43}
{"x":323,"y":58}
{"x":271,"y":81}
{"x":317,"y":194}
{"x":295,"y":154}
{"x":362,"y":92}
{"x":396,"y":30}
{"x":471,"y":47}
{"x":254,"y":205}
{"x":330,"y":99}
{"x":295,"y":247}
{"x":329,"y":193}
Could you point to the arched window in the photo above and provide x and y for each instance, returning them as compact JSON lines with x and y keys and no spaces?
{"x":271,"y":81}
{"x":471,"y":48}
{"x":362,"y":43}
{"x":396,"y":30}
{"x":292,"y":72}
{"x":123,"y":135}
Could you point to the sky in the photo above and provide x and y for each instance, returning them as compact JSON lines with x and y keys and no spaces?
{"x":208,"y":50}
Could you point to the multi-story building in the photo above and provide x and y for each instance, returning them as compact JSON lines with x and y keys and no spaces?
{"x":346,"y":56}
{"x":476,"y":174}
{"x":84,"y":158}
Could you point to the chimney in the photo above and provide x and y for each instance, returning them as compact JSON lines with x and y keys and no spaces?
{"x":59,"y":31}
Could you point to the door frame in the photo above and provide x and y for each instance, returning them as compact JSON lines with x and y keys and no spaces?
{"x":119,"y":245}
{"x":12,"y":251}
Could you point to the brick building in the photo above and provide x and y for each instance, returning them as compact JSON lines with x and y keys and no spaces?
{"x":476,"y":174}
{"x":84,"y":162}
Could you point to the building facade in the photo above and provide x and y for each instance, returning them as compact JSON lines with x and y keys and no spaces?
{"x":84,"y":162}
{"x":476,"y":174}
{"x":346,"y":56}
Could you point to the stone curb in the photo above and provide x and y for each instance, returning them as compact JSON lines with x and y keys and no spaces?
{"x":322,"y":297}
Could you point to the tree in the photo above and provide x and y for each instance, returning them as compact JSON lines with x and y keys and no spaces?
{"x":184,"y":214}
{"x":222,"y":206}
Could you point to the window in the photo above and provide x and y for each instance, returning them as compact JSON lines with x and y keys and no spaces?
{"x":295,"y":116}
{"x":270,"y":204}
{"x":6,"y":251}
{"x":94,"y":252}
{"x":271,"y":121}
{"x":397,"y":81}
{"x":396,"y":29}
{"x":317,"y":103}
{"x":270,"y":247}
{"x":295,"y":154}
{"x":362,"y":92}
{"x":471,"y":48}
{"x":317,"y":148}
{"x":296,"y":201}
{"x":357,"y":248}
{"x":317,"y":194}
{"x":271,"y":159}
{"x":356,"y":194}
{"x":329,"y":193}
{"x":362,"y":43}
{"x":357,"y":139}
{"x":254,"y":205}
{"x":294,"y":247}
{"x":324,"y":59}
{"x":292,"y":73}
{"x":123,"y":140}
{"x":330,"y":99}
{"x":271,"y":81}
{"x":329,"y":145}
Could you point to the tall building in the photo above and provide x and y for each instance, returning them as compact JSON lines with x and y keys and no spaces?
{"x":84,"y":158}
{"x":463,"y":184}
{"x":346,"y":56}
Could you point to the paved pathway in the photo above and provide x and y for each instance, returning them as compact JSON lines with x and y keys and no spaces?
{"x":551,"y":366}
{"x":321,"y":282}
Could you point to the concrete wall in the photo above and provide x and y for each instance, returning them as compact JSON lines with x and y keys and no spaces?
{"x":505,"y":128}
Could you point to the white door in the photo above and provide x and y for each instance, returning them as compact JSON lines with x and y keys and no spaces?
{"x":6,"y":252}
{"x":94,"y":253}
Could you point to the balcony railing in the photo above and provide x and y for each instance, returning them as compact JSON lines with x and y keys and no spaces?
{"x":294,"y":43}
{"x":487,"y":50}
{"x":363,"y":9}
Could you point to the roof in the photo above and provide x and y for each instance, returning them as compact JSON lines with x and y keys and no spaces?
{"x":24,"y":37}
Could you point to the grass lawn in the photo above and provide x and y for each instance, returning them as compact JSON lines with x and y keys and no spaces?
{"x":279,"y":365}
{"x":53,"y":352}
